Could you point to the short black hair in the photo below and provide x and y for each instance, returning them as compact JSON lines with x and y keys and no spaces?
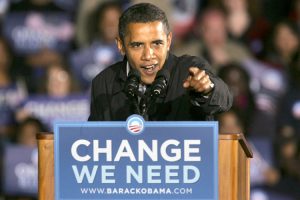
{"x":142,"y":13}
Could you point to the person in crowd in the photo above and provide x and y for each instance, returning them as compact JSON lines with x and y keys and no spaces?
{"x":229,"y":122}
{"x":246,"y":23}
{"x":33,"y":67}
{"x":59,"y":82}
{"x":12,"y":91}
{"x":27,"y":131}
{"x":50,"y":38}
{"x":287,"y":140}
{"x":59,"y":99}
{"x":165,"y":86}
{"x":102,"y":50}
{"x":215,"y":45}
{"x":289,"y":119}
{"x":238,"y":81}
{"x":288,"y":161}
{"x":56,"y":83}
{"x":283,"y":46}
{"x":104,"y":22}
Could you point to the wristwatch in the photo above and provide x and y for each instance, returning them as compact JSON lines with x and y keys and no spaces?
{"x":200,"y":98}
{"x":212,"y":86}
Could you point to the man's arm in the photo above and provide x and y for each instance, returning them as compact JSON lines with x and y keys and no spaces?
{"x":208,"y":91}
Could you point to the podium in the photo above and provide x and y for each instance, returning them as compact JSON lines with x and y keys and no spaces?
{"x":234,"y":167}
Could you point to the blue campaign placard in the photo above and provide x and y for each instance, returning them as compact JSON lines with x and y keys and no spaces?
{"x":20,"y":171}
{"x":136,"y":160}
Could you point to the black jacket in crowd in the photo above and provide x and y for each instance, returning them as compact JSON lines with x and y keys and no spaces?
{"x":110,"y":103}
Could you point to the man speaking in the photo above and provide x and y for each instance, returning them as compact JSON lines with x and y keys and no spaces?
{"x":152,"y":82}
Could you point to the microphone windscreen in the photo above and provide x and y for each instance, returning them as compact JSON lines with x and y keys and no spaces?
{"x":160,"y":83}
{"x":132,"y":83}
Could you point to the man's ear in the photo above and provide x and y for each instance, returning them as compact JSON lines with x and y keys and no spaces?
{"x":120,"y":46}
{"x":169,"y":40}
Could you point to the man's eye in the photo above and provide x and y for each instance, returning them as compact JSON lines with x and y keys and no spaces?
{"x":158,"y":43}
{"x":136,"y":45}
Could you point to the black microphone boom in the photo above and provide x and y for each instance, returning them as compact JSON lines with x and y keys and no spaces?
{"x":159,"y":86}
{"x":132,"y":83}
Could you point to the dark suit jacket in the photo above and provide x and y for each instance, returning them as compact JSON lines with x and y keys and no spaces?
{"x":110,"y":103}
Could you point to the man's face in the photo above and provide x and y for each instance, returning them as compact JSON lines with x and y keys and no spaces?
{"x":146,"y":46}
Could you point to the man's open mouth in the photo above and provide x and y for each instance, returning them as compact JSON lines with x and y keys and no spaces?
{"x":149,"y":69}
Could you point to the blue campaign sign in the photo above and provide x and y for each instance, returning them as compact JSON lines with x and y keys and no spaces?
{"x":136,"y":160}
{"x":50,"y":109}
{"x":20,"y":171}
{"x":30,"y":32}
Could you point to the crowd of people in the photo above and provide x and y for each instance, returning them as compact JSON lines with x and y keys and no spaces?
{"x":50,"y":50}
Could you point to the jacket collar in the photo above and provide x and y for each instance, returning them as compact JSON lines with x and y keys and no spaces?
{"x":123,"y":72}
{"x":120,"y":78}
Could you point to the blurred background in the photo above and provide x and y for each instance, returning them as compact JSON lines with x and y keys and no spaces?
{"x":50,"y":50}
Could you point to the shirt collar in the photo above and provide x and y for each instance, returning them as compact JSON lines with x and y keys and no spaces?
{"x":127,"y":68}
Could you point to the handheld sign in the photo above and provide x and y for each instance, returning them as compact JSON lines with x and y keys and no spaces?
{"x":20,"y":171}
{"x":136,"y":160}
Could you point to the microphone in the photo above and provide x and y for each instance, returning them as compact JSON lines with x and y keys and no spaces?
{"x":132,"y":83}
{"x":159,"y":86}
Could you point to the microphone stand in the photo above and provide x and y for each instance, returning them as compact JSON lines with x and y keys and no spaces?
{"x":143,"y":108}
{"x":150,"y":101}
{"x":134,"y":101}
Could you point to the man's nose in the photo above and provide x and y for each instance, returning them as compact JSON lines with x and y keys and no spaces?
{"x":147,"y":53}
